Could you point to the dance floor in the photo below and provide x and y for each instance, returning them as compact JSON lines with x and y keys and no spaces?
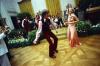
{"x":88,"y":54}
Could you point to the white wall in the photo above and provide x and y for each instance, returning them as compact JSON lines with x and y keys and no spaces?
{"x":4,"y":14}
{"x":9,"y":8}
{"x":38,"y":5}
{"x":64,"y":3}
{"x":9,"y":4}
{"x":0,"y":8}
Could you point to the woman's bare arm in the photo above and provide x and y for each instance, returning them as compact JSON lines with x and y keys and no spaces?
{"x":75,"y":18}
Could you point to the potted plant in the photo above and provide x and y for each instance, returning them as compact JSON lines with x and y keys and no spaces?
{"x":83,"y":27}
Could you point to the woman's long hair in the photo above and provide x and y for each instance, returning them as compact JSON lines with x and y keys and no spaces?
{"x":69,"y":6}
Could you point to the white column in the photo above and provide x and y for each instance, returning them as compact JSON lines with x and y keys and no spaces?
{"x":64,"y":3}
{"x":38,"y":5}
{"x":4,"y":14}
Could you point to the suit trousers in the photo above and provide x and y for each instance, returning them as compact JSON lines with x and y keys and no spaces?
{"x":53,"y":40}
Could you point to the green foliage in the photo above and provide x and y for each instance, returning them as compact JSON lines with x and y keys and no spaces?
{"x":17,"y":41}
{"x":23,"y":15}
{"x":16,"y":38}
{"x":16,"y":33}
{"x":83,"y":26}
{"x":31,"y":35}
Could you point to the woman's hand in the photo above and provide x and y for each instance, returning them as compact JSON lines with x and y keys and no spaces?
{"x":65,"y":23}
{"x":69,"y":23}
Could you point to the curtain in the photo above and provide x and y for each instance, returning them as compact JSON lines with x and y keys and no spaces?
{"x":77,"y":2}
{"x":54,"y":7}
{"x":26,"y":6}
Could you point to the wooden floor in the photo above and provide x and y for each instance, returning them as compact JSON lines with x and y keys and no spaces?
{"x":88,"y":54}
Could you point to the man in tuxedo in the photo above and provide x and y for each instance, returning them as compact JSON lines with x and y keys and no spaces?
{"x":49,"y":34}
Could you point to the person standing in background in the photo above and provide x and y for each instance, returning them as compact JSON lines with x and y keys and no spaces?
{"x":19,"y":23}
{"x":60,"y":21}
{"x":26,"y":26}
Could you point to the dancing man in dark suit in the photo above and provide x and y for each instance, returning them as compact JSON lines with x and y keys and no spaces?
{"x":48,"y":34}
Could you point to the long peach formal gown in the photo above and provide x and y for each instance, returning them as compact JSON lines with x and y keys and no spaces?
{"x":72,"y":33}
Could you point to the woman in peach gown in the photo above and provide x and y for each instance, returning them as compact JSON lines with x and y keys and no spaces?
{"x":72,"y":33}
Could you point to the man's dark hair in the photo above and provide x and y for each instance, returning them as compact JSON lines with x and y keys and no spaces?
{"x":44,"y":12}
